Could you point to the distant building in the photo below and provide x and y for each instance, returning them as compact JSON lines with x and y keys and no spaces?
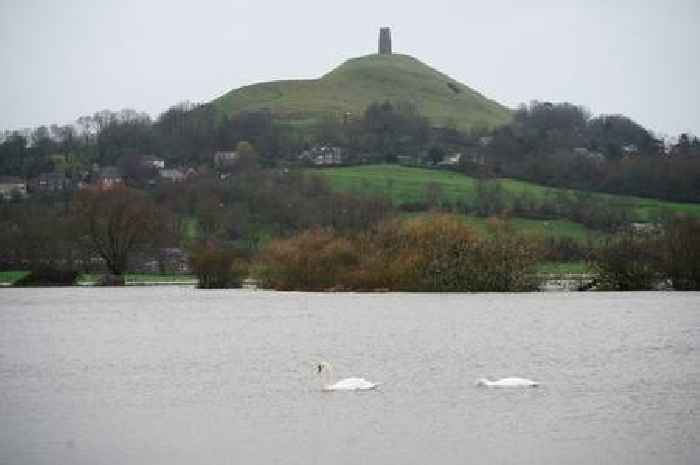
{"x":109,"y":177}
{"x":50,"y":182}
{"x":590,"y":154}
{"x":321,"y":155}
{"x":11,"y":186}
{"x":172,"y":174}
{"x":477,"y":158}
{"x":152,"y":161}
{"x":385,"y":41}
{"x":451,"y":160}
{"x":629,"y":149}
{"x":225,"y":158}
{"x":485,"y":140}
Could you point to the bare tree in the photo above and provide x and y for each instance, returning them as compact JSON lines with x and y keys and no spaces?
{"x":116,"y":223}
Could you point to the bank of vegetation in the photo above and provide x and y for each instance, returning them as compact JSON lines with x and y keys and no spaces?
{"x":254,"y":203}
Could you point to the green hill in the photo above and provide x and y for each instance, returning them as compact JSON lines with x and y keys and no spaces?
{"x":355,"y":84}
{"x":406,"y":184}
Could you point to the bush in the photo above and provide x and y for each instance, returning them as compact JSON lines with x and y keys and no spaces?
{"x":431,"y":253}
{"x":681,"y":246}
{"x":48,"y":276}
{"x":218,"y":268}
{"x":628,"y":261}
{"x":314,"y":260}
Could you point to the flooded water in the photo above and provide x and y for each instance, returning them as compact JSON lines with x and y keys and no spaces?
{"x":174,"y":375}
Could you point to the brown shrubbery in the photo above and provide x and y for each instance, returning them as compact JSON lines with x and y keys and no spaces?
{"x":431,"y":253}
{"x":681,"y":259}
{"x":628,"y":261}
{"x":317,"y":259}
{"x":218,"y":268}
{"x":641,"y":260}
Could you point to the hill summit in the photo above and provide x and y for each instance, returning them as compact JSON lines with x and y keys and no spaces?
{"x":358,"y":82}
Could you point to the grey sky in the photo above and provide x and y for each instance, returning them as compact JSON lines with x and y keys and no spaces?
{"x":60,"y":60}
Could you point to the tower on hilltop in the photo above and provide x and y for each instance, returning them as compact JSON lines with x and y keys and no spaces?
{"x":385,"y":41}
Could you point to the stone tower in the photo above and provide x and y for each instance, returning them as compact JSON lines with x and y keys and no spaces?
{"x":385,"y":41}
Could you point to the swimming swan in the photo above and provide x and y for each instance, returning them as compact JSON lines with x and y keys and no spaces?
{"x":507,"y":382}
{"x":325,"y":371}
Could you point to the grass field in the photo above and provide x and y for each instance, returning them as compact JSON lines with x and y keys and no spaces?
{"x":546,"y":228}
{"x":143,"y":278}
{"x":353,"y":85}
{"x":559,"y":268}
{"x":407,"y":184}
{"x":9,"y":277}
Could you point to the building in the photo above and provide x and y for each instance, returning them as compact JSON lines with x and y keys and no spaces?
{"x":451,"y":160}
{"x":590,"y":154}
{"x":11,"y":186}
{"x":151,"y":161}
{"x":109,"y":177}
{"x":50,"y":182}
{"x":225,"y":158}
{"x":385,"y":41}
{"x":172,"y":174}
{"x":322,"y":155}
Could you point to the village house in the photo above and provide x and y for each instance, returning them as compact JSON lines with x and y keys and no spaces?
{"x":224,"y":159}
{"x":152,"y":161}
{"x":109,"y":177}
{"x":10,"y":186}
{"x":322,"y":155}
{"x":172,"y":175}
{"x":477,"y":158}
{"x":590,"y":154}
{"x":451,"y":160}
{"x":629,"y":149}
{"x":50,"y":182}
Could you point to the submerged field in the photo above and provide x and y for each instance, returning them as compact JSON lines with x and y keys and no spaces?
{"x":408,"y":184}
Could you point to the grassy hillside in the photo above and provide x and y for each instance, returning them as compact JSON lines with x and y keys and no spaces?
{"x":355,"y":84}
{"x":406,"y":184}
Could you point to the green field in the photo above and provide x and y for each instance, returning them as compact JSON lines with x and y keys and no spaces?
{"x":407,"y":184}
{"x":358,"y":82}
{"x":546,"y":228}
{"x":143,"y":278}
{"x":559,"y":268}
{"x":9,"y":277}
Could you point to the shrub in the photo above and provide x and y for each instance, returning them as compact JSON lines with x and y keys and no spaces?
{"x":431,"y":253}
{"x":628,"y":261}
{"x":218,"y":268}
{"x":48,"y":276}
{"x":681,"y":246}
{"x":313,"y":260}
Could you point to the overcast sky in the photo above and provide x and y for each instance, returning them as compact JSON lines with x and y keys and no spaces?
{"x":61,"y":60}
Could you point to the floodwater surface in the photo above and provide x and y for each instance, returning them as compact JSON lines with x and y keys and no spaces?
{"x":175,"y":375}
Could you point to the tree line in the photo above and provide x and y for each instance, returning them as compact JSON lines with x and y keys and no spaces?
{"x":552,"y":144}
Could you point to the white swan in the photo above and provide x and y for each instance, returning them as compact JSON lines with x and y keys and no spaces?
{"x":325,"y":371}
{"x":507,"y":382}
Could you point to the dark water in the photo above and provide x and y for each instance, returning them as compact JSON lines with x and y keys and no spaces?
{"x":171,"y":375}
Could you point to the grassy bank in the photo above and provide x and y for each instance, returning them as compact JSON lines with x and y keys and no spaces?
{"x":142,"y":278}
{"x":10,"y":277}
{"x":559,"y":268}
{"x":407,"y":184}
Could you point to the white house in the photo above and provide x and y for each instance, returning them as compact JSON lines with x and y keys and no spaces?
{"x":10,"y":185}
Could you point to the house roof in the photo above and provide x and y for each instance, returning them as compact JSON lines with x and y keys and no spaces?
{"x":171,"y":173}
{"x":110,"y":172}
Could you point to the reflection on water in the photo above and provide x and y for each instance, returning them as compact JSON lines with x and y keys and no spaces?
{"x":181,"y":376}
